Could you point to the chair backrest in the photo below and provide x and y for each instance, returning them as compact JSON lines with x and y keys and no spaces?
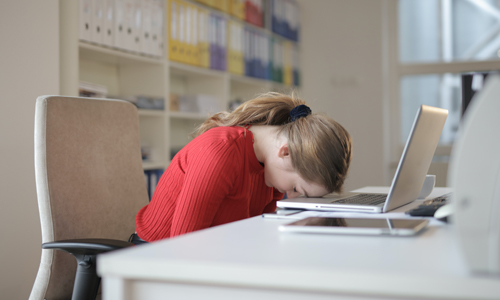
{"x":89,"y":179}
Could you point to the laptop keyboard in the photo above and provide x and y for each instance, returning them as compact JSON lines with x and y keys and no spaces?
{"x":365,"y":199}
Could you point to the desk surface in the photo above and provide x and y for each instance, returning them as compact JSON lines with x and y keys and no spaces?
{"x":252,"y":253}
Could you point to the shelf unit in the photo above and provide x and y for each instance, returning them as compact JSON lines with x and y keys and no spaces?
{"x":128,"y":74}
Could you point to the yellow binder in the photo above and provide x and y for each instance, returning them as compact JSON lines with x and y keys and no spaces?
{"x":203,"y":41}
{"x":231,"y":47}
{"x":195,"y":38}
{"x":210,"y":3}
{"x":222,"y":5}
{"x":189,"y":42}
{"x":183,"y":57}
{"x":235,"y":48}
{"x":174,"y":31}
{"x":237,"y":8}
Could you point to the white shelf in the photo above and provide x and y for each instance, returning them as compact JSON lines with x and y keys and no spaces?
{"x":250,"y":80}
{"x":188,"y":115}
{"x":151,"y":165}
{"x":281,"y":87}
{"x":188,"y":70}
{"x":151,"y":112}
{"x":114,"y":56}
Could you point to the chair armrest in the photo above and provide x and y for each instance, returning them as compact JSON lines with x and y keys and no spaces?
{"x":85,"y":251}
{"x":87,"y":246}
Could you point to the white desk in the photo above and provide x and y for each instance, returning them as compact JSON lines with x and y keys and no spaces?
{"x":250,"y":259}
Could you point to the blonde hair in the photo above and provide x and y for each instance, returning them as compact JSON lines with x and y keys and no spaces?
{"x":320,"y":148}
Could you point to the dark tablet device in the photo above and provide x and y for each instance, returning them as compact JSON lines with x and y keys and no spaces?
{"x":358,"y":226}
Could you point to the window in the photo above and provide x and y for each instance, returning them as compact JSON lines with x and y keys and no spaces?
{"x":440,"y":90}
{"x":448,"y":30}
{"x":428,"y":45}
{"x":437,"y":41}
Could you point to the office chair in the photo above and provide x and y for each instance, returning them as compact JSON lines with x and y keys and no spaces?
{"x":90,"y":185}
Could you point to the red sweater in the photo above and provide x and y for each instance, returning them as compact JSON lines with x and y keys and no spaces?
{"x":215,"y":179}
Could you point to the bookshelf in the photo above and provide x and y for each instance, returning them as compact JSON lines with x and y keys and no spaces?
{"x":128,"y":74}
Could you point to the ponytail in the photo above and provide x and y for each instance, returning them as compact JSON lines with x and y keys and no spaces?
{"x":267,"y":109}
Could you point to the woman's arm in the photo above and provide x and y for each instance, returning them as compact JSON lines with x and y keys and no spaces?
{"x":271,"y":207}
{"x":209,"y":177}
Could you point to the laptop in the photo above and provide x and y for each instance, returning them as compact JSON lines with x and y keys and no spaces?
{"x":408,"y":180}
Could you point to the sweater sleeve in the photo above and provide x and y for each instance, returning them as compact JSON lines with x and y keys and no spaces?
{"x":271,"y":207}
{"x":209,"y":177}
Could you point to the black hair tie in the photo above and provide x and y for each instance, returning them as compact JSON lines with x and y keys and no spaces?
{"x":299,"y":112}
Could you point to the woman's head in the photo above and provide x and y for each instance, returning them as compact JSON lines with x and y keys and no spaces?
{"x":320,"y":150}
{"x":319,"y":147}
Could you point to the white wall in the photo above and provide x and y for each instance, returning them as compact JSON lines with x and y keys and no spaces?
{"x":341,"y":60}
{"x":29,"y":67}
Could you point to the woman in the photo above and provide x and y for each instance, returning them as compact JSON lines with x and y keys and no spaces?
{"x":241,"y":163}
